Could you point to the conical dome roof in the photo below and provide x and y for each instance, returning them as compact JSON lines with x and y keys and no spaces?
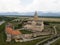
{"x":36,"y":16}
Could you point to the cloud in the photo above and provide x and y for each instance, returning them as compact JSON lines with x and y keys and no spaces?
{"x":10,"y":5}
{"x":39,"y":5}
{"x":45,"y":5}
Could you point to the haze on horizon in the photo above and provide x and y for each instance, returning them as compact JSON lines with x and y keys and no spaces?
{"x":29,"y":5}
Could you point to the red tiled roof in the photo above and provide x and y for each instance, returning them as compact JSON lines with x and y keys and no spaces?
{"x":12,"y":32}
{"x":16,"y":32}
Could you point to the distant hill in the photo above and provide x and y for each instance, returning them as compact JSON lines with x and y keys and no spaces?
{"x":31,"y":14}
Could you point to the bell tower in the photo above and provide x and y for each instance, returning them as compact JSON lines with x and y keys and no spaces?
{"x":35,"y":16}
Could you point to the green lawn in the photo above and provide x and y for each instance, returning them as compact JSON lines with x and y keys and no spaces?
{"x":26,"y":31}
{"x":58,"y":31}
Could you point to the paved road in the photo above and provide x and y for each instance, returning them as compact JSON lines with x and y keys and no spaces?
{"x":1,"y":22}
{"x":32,"y":39}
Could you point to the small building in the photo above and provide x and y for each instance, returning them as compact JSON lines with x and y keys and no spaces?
{"x":35,"y":24}
{"x":11,"y":33}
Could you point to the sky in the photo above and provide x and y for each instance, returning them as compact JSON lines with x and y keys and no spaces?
{"x":29,"y":5}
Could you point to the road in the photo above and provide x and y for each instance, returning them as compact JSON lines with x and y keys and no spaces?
{"x":52,"y":41}
{"x":34,"y":38}
{"x":55,"y":30}
{"x":1,"y":22}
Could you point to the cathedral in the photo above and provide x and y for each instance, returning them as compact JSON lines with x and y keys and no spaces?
{"x":35,"y":24}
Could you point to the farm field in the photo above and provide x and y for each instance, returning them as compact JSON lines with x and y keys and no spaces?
{"x":50,"y":19}
{"x":43,"y":18}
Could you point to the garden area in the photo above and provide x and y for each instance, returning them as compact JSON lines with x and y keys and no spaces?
{"x":26,"y":32}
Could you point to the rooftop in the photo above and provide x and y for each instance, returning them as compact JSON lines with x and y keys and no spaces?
{"x":12,"y":32}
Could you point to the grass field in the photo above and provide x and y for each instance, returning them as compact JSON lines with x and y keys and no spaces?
{"x":56,"y":42}
{"x":49,"y":19}
{"x":26,"y":32}
{"x":40,"y":18}
{"x":58,"y":31}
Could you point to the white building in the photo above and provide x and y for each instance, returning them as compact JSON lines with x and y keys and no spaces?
{"x":35,"y":24}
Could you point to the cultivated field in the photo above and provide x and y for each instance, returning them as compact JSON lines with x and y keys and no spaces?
{"x":44,"y":19}
{"x":50,"y":19}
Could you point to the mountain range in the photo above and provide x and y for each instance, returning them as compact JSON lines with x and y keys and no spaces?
{"x":31,"y":14}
